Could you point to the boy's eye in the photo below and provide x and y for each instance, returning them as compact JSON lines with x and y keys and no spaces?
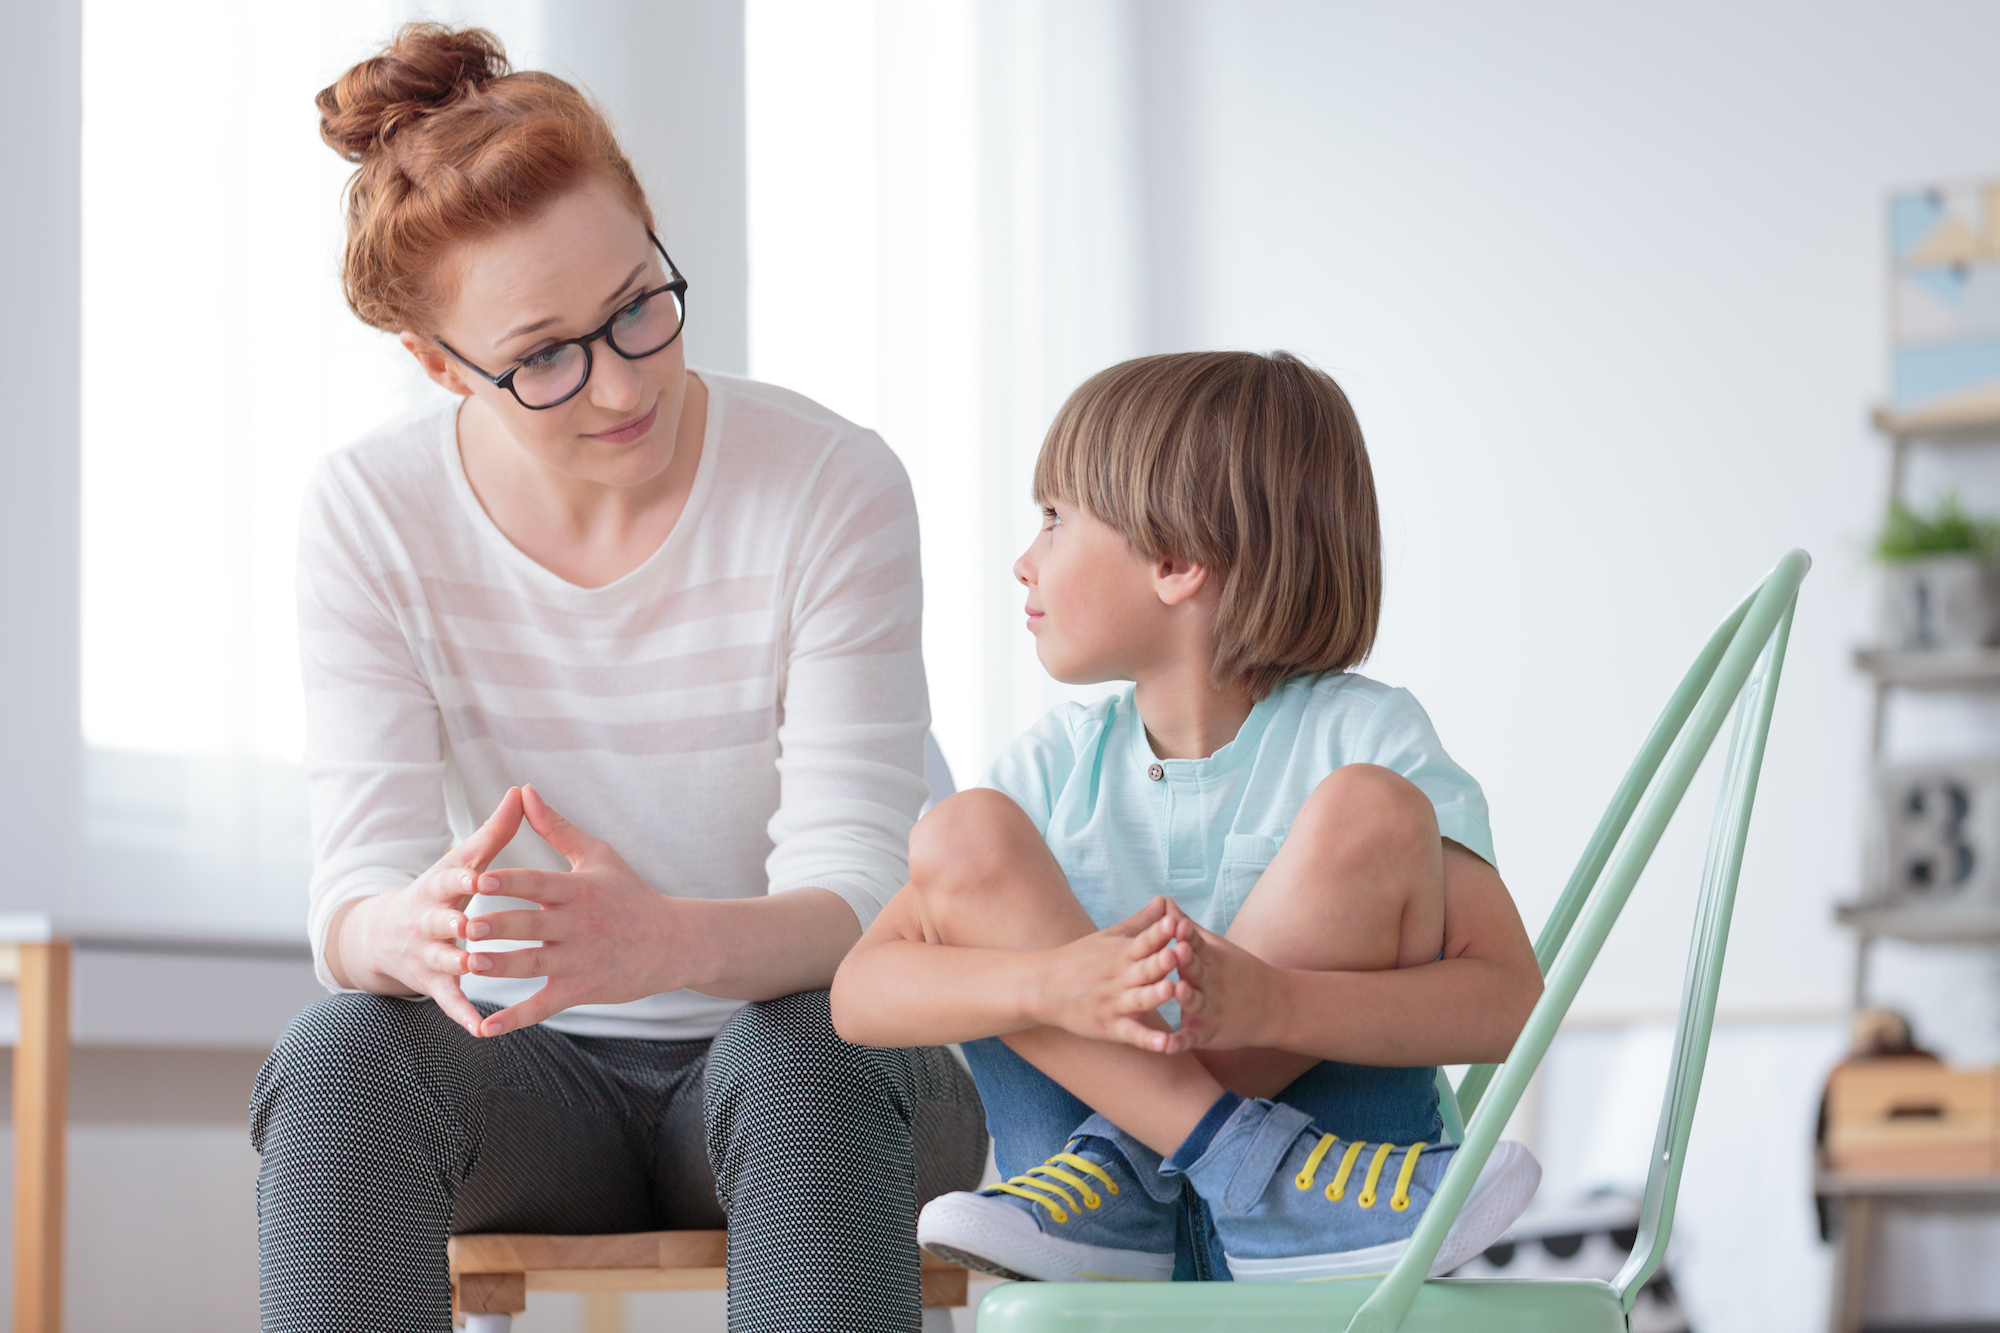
{"x":1050,"y":518}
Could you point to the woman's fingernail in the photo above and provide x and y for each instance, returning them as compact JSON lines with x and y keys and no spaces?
{"x":465,"y":880}
{"x":477,"y":930}
{"x":480,"y":962}
{"x":490,"y":885}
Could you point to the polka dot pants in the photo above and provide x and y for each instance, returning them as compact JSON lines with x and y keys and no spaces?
{"x":384,"y":1128}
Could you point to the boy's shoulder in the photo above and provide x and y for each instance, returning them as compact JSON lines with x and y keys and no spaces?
{"x":1336,"y":694}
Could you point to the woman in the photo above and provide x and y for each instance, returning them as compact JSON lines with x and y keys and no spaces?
{"x":680,"y":607}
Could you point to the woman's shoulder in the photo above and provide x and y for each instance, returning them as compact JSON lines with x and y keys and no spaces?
{"x":398,"y":464}
{"x":766,"y":424}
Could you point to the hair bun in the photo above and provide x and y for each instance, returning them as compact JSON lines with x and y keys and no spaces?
{"x":427,"y":66}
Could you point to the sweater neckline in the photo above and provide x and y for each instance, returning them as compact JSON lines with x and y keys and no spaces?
{"x":542,"y":575}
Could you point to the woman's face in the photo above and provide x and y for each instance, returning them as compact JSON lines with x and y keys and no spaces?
{"x":559,"y":276}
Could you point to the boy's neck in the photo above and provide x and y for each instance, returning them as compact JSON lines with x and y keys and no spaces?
{"x":1186,"y":716}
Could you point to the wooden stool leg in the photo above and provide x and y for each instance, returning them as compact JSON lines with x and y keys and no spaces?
{"x":1850,"y":1282}
{"x":41,"y":1096}
{"x":489,"y":1323}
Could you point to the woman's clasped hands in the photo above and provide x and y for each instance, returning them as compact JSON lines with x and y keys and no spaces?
{"x":601,"y":934}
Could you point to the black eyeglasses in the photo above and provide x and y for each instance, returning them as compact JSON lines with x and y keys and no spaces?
{"x":558,"y":372}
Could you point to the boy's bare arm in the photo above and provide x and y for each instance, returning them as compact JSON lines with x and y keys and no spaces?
{"x":1466,"y":1008}
{"x":902,"y":986}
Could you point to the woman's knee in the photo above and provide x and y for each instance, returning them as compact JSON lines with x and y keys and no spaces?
{"x":350,"y":1053}
{"x":786,"y":1051}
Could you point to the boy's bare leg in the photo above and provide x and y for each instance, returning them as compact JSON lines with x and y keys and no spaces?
{"x":1357,"y":887}
{"x":984,"y":878}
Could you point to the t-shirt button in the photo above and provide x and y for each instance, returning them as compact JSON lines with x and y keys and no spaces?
{"x":1155,"y":772}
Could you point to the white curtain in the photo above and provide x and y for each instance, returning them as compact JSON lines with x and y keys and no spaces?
{"x":946,"y":238}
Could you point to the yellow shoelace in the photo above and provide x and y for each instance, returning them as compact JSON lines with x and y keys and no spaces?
{"x":1047,"y":1192}
{"x":1335,"y":1192}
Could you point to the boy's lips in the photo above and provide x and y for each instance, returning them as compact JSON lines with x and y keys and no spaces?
{"x":1034,"y":616}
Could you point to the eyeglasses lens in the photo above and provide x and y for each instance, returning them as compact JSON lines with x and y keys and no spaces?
{"x":644,"y":327}
{"x":549,"y":377}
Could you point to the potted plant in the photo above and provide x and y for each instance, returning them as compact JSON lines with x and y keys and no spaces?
{"x":1941,"y":586}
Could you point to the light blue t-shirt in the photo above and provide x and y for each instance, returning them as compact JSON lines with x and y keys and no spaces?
{"x":1125,"y":824}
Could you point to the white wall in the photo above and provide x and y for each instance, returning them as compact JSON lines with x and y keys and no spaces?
{"x":40,"y":778}
{"x":1606,"y":287}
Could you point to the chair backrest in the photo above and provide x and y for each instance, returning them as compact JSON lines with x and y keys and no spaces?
{"x":1738,"y":669}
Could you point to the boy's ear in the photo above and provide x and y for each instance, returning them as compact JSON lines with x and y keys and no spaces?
{"x":1177,"y":581}
{"x":441,"y":368}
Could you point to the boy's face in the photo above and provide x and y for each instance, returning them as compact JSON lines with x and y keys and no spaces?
{"x":1093,"y":604}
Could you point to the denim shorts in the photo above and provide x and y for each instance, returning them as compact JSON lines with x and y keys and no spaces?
{"x":1031,"y":1117}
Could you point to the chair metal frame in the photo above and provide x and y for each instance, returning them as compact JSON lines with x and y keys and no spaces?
{"x":1738,"y":671}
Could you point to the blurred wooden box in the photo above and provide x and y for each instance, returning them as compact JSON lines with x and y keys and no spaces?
{"x":1913,"y":1116}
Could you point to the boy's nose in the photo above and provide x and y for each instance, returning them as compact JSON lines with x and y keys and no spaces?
{"x":1023,"y":572}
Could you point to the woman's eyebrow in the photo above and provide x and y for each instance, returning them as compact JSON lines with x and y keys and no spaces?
{"x":623,"y":287}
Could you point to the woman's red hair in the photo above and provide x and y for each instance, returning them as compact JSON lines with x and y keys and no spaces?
{"x":452,"y":146}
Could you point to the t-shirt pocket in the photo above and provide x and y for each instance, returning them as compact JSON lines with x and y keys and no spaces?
{"x":1245,"y":856}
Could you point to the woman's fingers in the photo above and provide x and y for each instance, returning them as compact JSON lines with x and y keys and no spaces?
{"x":477,"y":852}
{"x":514,"y":962}
{"x":448,"y":884}
{"x":449,"y":998}
{"x":547,"y":887}
{"x":448,"y":959}
{"x":522,"y":924}
{"x":571,"y":841}
{"x":443,"y":923}
{"x":547,"y":1002}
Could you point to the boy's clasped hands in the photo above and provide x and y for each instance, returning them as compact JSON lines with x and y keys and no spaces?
{"x":1111,"y":985}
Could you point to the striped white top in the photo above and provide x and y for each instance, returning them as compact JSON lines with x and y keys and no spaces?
{"x":742,"y":714}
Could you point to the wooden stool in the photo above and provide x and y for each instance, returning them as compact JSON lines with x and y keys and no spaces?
{"x":491,"y":1275}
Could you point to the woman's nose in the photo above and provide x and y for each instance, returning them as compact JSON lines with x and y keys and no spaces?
{"x":614,"y":381}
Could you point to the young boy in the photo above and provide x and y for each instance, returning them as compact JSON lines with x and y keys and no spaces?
{"x":1278,"y":848}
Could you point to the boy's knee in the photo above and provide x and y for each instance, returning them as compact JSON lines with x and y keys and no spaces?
{"x":1367,"y":809}
{"x":966,"y":838}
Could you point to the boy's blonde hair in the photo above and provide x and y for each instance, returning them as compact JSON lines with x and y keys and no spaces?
{"x":1251,"y":465}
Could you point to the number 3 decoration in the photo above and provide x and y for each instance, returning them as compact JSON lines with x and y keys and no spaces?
{"x":1938,"y":834}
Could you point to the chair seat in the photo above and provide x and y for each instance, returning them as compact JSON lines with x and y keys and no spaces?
{"x":1446,"y":1305}
{"x":494,"y":1271}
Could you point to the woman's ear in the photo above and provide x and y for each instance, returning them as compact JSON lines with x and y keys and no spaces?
{"x":1177,"y":581}
{"x":441,"y":368}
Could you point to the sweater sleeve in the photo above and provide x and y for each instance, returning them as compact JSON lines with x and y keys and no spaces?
{"x":374,"y":757}
{"x":854,"y":703}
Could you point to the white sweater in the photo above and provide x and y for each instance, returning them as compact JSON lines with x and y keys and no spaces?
{"x":742,"y":714}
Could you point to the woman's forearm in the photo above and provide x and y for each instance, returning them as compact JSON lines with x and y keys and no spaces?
{"x":758,"y":948}
{"x":902,"y":992}
{"x":1457,"y":1011}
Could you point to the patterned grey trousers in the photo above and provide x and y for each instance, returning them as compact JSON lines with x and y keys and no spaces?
{"x":384,"y":1128}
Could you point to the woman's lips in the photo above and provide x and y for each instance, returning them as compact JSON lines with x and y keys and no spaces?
{"x":631,"y":430}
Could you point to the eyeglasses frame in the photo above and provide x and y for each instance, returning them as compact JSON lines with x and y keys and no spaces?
{"x":505,"y":379}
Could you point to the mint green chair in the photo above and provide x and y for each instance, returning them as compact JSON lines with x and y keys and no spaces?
{"x":1739,"y":669}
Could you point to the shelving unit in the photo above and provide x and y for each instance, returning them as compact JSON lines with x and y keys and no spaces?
{"x":1972,"y":422}
{"x":1859,"y":1196}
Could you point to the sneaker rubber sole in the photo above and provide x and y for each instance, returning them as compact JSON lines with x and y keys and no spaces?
{"x":1501,"y":1194}
{"x":994,"y":1237}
